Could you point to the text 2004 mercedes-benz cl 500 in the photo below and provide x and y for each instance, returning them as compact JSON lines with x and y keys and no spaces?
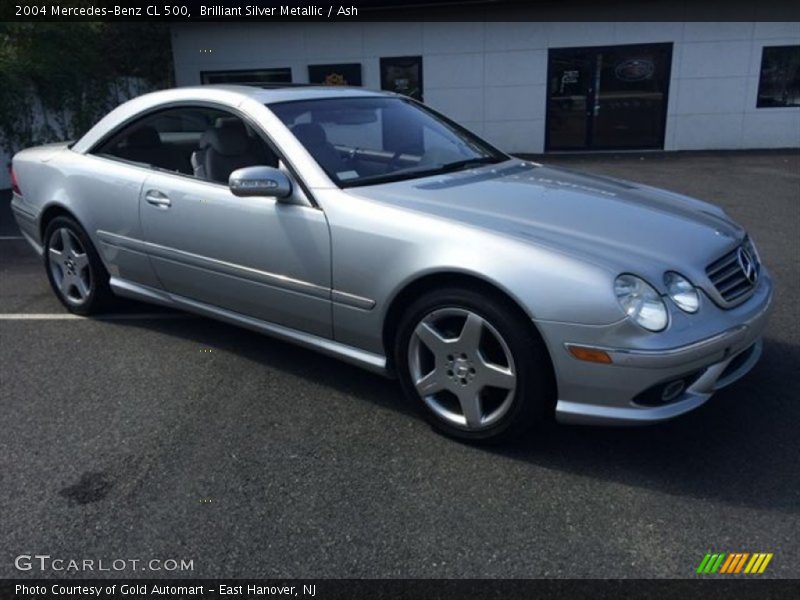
{"x":369,"y":227}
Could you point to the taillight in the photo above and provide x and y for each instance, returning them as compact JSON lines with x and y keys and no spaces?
{"x":14,"y":182}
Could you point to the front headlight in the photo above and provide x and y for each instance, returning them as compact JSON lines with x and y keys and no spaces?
{"x":641,"y":302}
{"x":682,"y":292}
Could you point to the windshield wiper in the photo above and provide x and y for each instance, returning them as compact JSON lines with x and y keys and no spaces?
{"x":416,"y":172}
{"x":400,"y":175}
{"x":469,"y":162}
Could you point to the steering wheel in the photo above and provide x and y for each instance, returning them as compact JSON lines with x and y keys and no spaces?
{"x":394,"y":162}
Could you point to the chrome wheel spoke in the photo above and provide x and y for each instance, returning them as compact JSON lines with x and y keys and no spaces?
{"x":430,"y":383}
{"x":470,"y":401}
{"x":496,"y":376}
{"x":66,"y":241}
{"x":470,"y":337}
{"x":81,"y":287}
{"x":56,"y":256}
{"x":81,"y":262}
{"x":66,"y":283}
{"x":437,"y":344}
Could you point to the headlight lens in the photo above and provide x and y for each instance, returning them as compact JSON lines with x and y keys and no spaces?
{"x":641,"y":302}
{"x":682,"y":292}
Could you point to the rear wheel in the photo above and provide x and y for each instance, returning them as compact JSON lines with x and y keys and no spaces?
{"x":474,"y":365}
{"x":73,"y":267}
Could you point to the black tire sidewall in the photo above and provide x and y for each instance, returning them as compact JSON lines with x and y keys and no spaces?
{"x":99,"y":292}
{"x":535,"y":391}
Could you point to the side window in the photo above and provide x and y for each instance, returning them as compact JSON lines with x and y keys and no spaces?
{"x":202,"y":142}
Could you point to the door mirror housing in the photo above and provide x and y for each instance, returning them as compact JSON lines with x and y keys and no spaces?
{"x":260,"y":181}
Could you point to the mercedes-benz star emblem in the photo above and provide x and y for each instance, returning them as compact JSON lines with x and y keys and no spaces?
{"x":748,"y":265}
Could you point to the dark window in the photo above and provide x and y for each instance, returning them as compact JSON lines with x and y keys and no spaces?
{"x":611,"y":97}
{"x":248,"y":77}
{"x":779,"y":84}
{"x":402,"y":75}
{"x":207,"y":143}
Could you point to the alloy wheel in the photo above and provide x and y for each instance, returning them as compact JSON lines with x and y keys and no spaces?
{"x":462,"y":368}
{"x":69,"y":266}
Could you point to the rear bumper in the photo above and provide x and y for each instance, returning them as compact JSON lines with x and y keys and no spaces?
{"x":27,"y":222}
{"x":722,"y":346}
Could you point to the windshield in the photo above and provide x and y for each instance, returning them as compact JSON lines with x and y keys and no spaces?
{"x":363,"y":141}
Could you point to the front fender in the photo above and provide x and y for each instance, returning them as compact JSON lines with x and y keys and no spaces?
{"x":379,"y":250}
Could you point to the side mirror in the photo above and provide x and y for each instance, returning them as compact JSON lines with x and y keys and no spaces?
{"x":260,"y":181}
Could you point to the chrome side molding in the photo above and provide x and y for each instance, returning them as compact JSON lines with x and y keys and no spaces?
{"x":368,"y":360}
{"x":235,"y":270}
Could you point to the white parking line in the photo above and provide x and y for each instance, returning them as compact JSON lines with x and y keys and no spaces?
{"x":71,"y":317}
{"x":11,"y":237}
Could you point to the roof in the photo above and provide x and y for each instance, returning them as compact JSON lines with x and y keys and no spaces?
{"x":292,"y":92}
{"x":231,"y":95}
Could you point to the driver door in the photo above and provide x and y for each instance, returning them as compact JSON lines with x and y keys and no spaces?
{"x":254,"y":256}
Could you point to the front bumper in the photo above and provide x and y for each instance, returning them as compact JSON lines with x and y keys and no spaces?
{"x":707,"y":351}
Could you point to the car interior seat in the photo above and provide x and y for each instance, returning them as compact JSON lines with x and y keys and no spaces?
{"x":143,"y":145}
{"x":221,"y":151}
{"x":261,"y":149}
{"x":313,"y":137}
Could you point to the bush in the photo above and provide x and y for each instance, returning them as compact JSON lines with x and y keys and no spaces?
{"x":57,"y":79}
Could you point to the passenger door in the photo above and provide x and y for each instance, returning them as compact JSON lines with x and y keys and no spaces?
{"x":254,"y":256}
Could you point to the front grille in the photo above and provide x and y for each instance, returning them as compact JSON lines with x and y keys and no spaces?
{"x":728,"y":273}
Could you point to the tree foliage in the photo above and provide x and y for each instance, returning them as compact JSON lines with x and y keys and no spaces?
{"x":57,"y":79}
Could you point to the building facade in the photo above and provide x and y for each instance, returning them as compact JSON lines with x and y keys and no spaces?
{"x":534,"y":87}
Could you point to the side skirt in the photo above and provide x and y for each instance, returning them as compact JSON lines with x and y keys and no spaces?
{"x":367,"y":360}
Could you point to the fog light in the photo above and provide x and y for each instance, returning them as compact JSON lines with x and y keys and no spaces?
{"x":672,"y":390}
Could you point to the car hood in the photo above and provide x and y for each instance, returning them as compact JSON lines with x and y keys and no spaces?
{"x":618,"y":223}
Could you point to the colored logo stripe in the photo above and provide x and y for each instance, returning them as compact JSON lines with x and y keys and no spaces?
{"x":710,"y":563}
{"x":731,"y":560}
{"x":741,"y":562}
{"x":758,"y":563}
{"x":734,"y":562}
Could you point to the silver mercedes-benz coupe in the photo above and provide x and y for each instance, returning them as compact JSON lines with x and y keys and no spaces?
{"x":369,"y":227}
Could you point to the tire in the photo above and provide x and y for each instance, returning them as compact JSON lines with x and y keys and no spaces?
{"x":443,"y":370}
{"x":76,"y":273}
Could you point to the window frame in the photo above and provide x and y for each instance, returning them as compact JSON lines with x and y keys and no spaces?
{"x":233,"y":111}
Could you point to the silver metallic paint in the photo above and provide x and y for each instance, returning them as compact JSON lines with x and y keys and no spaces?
{"x":322,"y":270}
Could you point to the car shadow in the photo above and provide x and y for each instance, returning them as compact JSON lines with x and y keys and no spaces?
{"x":741,"y":448}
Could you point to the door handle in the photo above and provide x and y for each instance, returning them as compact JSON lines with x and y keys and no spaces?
{"x":157,"y":198}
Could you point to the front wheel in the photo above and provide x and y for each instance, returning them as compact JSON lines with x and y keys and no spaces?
{"x":73,"y":267}
{"x":474,"y":364}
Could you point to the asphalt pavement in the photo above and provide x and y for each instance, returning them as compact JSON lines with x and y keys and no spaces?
{"x":154,"y":435}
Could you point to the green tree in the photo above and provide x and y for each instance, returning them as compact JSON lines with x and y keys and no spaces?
{"x":57,"y":79}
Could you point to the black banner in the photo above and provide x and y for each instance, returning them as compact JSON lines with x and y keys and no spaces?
{"x":399,"y":589}
{"x":397,"y":10}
